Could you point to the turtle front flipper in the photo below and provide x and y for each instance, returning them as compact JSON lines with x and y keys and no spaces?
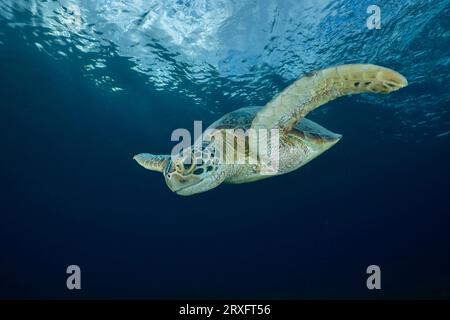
{"x":152,"y":162}
{"x":320,"y":87}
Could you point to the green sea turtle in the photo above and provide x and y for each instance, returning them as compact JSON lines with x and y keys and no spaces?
{"x":202,"y":167}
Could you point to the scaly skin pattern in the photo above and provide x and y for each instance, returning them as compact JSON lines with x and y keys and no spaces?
{"x":303,"y":143}
{"x":319,"y":87}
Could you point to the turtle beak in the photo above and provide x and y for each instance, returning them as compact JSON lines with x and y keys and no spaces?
{"x":180,"y":184}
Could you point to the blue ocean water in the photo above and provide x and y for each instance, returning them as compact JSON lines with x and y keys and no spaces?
{"x":86,"y":84}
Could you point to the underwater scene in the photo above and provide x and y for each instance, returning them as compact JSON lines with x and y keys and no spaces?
{"x":94,"y":91}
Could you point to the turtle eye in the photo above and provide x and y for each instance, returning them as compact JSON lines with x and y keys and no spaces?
{"x":186,"y":166}
{"x":179,"y":168}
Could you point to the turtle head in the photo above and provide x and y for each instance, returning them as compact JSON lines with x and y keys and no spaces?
{"x":193,"y":170}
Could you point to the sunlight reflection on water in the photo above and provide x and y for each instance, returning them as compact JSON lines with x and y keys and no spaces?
{"x":246,"y":50}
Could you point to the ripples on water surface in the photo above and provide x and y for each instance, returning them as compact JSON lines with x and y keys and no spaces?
{"x":223,"y":53}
